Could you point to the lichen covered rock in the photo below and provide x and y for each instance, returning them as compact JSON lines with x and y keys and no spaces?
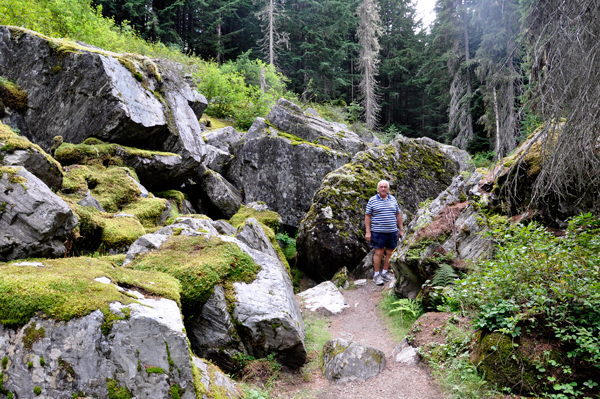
{"x":332,"y":233}
{"x":34,"y":222}
{"x":345,"y":361}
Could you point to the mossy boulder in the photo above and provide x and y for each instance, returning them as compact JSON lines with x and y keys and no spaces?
{"x":119,"y":98}
{"x":84,"y":325}
{"x":17,"y":150}
{"x":332,"y":233}
{"x":237,"y":297}
{"x":156,"y":170}
{"x":345,"y":361}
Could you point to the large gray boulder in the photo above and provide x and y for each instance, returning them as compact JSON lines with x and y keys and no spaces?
{"x":34,"y":222}
{"x":282,"y":170}
{"x":79,"y":91}
{"x":145,"y":354}
{"x":448,"y":230}
{"x":217,"y":159}
{"x":16,"y":150}
{"x":289,"y":117}
{"x":221,"y":193}
{"x":332,"y":234}
{"x":345,"y":361}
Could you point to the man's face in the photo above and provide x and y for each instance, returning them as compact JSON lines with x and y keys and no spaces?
{"x":383,"y":189}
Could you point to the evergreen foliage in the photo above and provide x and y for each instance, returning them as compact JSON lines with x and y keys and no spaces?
{"x":444,"y":276}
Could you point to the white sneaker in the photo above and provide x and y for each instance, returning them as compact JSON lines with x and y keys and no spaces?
{"x":378,"y":279}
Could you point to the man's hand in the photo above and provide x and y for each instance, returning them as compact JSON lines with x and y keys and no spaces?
{"x":368,"y":236}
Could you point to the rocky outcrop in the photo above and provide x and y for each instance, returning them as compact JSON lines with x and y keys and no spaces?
{"x":289,"y":117}
{"x":217,"y":159}
{"x":34,"y":222}
{"x":282,"y":169}
{"x":221,"y":193}
{"x":332,"y":233}
{"x":79,"y":91}
{"x":345,"y":361}
{"x":156,"y":170}
{"x":16,"y":150}
{"x":445,"y":231}
{"x":224,"y":139}
{"x":257,"y":317}
{"x":141,"y":352}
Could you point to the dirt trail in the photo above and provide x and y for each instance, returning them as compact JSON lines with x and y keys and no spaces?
{"x":362,"y":322}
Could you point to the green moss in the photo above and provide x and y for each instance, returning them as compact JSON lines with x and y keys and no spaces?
{"x":199,"y":264}
{"x":117,"y":392}
{"x":56,"y":70}
{"x":12,"y":95}
{"x":120,"y":232}
{"x":29,"y":365}
{"x":65,"y":288}
{"x":268,"y":218}
{"x":175,"y":195}
{"x":4,"y":362}
{"x":110,"y":318}
{"x":12,"y":142}
{"x":94,"y":152}
{"x":42,"y":361}
{"x":31,"y":335}
{"x":112,"y":186}
{"x":295,"y":140}
{"x":175,"y":391}
{"x":37,"y":390}
{"x":154,"y":370}
{"x":147,"y":210}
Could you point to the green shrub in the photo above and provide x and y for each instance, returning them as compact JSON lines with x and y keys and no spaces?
{"x":540,"y":282}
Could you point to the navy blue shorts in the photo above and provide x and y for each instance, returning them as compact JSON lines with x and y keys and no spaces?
{"x":384,"y":240}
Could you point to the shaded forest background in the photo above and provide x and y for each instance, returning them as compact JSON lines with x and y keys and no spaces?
{"x":440,"y":83}
{"x":465,"y":80}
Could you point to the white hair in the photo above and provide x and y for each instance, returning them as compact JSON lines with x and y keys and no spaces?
{"x":384,"y":181}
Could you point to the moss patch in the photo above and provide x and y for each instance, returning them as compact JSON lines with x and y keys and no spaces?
{"x":121,"y":232}
{"x":11,"y":142}
{"x":117,"y":392}
{"x":32,"y":335}
{"x":295,"y":140}
{"x":111,"y":186}
{"x":199,"y":264}
{"x":174,"y":195}
{"x":94,"y":151}
{"x":65,"y":288}
{"x":268,"y":218}
{"x":147,"y":210}
{"x":12,"y":95}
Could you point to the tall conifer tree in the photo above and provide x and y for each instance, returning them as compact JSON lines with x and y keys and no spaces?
{"x":368,"y":33}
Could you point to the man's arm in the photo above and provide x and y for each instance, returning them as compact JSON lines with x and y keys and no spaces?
{"x":368,"y":227}
{"x":400,"y":225}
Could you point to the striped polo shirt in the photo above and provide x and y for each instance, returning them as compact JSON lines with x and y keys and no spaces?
{"x":383,"y":214}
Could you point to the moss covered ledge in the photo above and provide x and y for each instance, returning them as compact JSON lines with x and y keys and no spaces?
{"x":63,"y":289}
{"x":199,"y":264}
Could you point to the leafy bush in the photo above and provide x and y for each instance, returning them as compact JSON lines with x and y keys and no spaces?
{"x":484,"y":159}
{"x":537,"y":280}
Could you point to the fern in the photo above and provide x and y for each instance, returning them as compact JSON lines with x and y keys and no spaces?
{"x":444,"y":276}
{"x":407,"y":305}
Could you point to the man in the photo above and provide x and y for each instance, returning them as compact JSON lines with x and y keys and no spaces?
{"x":383,"y":221}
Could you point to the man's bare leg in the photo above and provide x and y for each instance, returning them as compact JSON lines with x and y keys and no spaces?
{"x":377,"y":259}
{"x":386,"y":262}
